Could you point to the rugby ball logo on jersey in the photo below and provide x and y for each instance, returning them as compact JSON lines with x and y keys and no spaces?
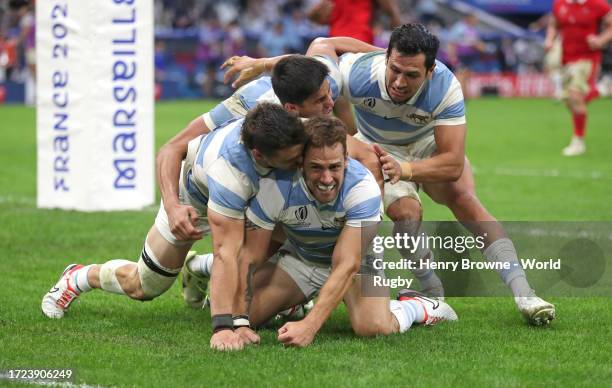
{"x":301,"y":213}
{"x":369,"y":102}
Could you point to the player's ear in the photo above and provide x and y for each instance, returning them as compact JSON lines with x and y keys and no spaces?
{"x":289,"y":107}
{"x":257,"y":154}
{"x":431,"y":70}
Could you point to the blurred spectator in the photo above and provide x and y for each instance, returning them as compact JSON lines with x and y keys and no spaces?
{"x":464,"y":49}
{"x":275,"y":42}
{"x":26,"y":42}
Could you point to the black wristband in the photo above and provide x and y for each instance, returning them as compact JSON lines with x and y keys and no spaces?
{"x":241,"y":321}
{"x":222,"y":322}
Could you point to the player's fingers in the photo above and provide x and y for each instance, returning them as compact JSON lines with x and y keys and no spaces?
{"x":229,"y":62}
{"x":283,"y":328}
{"x":379,"y":151}
{"x":244,"y":77}
{"x":229,"y":74}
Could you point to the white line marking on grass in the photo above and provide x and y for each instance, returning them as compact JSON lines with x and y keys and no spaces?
{"x":17,"y":200}
{"x":30,"y":201}
{"x":542,"y":173}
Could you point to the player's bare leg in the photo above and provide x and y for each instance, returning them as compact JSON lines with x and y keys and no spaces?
{"x":407,"y":213}
{"x":460,"y":197}
{"x":151,"y":276}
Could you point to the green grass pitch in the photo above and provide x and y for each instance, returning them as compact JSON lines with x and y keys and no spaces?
{"x":514,"y":146}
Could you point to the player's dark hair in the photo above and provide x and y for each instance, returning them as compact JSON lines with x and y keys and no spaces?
{"x":325,"y":131}
{"x":297,"y":77}
{"x":412,"y":39}
{"x":269,"y":128}
{"x":16,"y":4}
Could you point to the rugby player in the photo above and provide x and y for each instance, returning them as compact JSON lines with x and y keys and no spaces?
{"x":329,"y":211}
{"x":412,"y":107}
{"x":220,"y":175}
{"x":578,"y":22}
{"x":306,"y":85}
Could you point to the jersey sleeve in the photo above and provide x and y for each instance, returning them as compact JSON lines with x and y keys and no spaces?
{"x":345,"y":65}
{"x":228,"y":109}
{"x":229,"y":189}
{"x":451,"y":110}
{"x":334,"y":77}
{"x":363,"y":203}
{"x":238,"y":104}
{"x":266,"y":207}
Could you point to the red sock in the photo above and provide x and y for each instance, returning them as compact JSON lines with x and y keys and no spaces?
{"x":579,"y":124}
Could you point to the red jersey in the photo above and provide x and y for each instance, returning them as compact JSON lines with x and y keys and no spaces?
{"x":352,"y":18}
{"x":577,"y":19}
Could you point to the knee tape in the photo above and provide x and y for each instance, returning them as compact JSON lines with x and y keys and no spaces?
{"x":154,"y":278}
{"x":108,"y":278}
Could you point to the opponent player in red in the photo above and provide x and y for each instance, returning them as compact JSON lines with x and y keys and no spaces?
{"x":578,"y":23}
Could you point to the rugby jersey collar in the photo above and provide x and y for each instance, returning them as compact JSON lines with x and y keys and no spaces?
{"x":380,"y":73}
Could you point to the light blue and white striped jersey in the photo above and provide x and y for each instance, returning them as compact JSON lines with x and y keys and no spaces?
{"x":221,"y":172}
{"x":260,"y":90}
{"x":439,"y":101}
{"x":313,"y":228}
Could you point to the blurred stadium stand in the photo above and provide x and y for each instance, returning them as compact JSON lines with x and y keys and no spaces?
{"x":194,"y":36}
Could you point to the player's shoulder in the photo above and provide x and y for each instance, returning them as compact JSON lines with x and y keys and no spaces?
{"x":361,"y":60}
{"x":255,"y":92}
{"x":442,"y":72}
{"x":358,"y":176}
{"x":277,"y":186}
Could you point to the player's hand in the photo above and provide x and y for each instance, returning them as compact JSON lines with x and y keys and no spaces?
{"x":249,"y":337}
{"x":595,"y":42}
{"x":246,"y":67}
{"x":299,"y":334}
{"x":226,"y":340}
{"x":183,"y":220}
{"x":390,"y":166}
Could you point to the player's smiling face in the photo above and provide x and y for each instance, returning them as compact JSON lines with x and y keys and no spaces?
{"x":324,"y":171}
{"x":404,"y":75}
{"x":318,"y":103}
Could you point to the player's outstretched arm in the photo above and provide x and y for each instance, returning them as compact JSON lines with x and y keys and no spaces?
{"x":247,"y":68}
{"x":346,"y":262}
{"x":253,"y":254}
{"x":334,"y":47}
{"x":227,"y":237}
{"x":182,"y":218}
{"x":551,"y":34}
